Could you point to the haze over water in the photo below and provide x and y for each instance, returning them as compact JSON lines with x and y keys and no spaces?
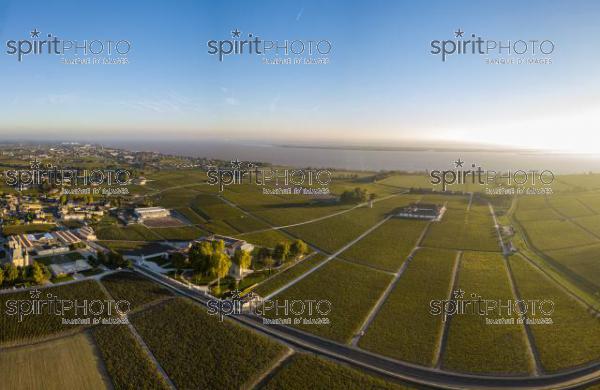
{"x":372,"y":160}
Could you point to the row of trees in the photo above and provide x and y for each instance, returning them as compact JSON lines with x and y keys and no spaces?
{"x":281,"y":253}
{"x":10,"y":274}
{"x":209,"y":258}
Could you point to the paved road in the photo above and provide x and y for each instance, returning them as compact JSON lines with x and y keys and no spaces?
{"x":390,"y":368}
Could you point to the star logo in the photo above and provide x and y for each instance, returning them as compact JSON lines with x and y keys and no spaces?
{"x":35,"y":164}
{"x":35,"y":294}
{"x":458,"y":163}
{"x":458,"y":294}
{"x":458,"y":33}
{"x":235,"y":294}
{"x":236,"y":164}
{"x":236,"y":33}
{"x":35,"y":33}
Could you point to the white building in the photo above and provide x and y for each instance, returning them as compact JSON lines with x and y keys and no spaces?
{"x":19,"y":256}
{"x":144,"y":213}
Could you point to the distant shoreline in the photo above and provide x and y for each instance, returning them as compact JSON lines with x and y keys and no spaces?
{"x":410,"y":149}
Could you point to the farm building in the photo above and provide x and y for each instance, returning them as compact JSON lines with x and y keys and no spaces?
{"x":144,"y":213}
{"x":427,"y":211}
{"x":231,"y":244}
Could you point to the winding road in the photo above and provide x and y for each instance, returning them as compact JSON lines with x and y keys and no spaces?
{"x":390,"y":368}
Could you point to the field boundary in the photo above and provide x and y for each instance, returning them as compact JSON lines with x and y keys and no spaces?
{"x":328,"y":259}
{"x":142,"y":343}
{"x":443,"y":340}
{"x":532,"y":350}
{"x":391,"y":286}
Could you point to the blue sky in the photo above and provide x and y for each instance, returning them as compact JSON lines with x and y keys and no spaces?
{"x":381,"y":85}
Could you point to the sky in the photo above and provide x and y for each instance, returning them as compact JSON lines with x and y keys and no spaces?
{"x":381,"y":84}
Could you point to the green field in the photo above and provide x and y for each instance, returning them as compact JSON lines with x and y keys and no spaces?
{"x":8,"y":230}
{"x":591,"y":223}
{"x":573,"y":338}
{"x":387,"y":246}
{"x":332,"y":233}
{"x":211,"y":207}
{"x":404,"y":328}
{"x":34,"y":327}
{"x":286,"y":276}
{"x":65,"y":363}
{"x":591,"y":201}
{"x":126,"y":362}
{"x":268,"y":238}
{"x":128,"y":233}
{"x":197,"y":351}
{"x":181,"y":233}
{"x":466,"y":230}
{"x":309,"y":372}
{"x":583,"y":261}
{"x":568,"y":206}
{"x":474,"y":346}
{"x":352,"y":290}
{"x":190,"y":215}
{"x":134,"y":288}
{"x":245,"y":223}
{"x":556,"y":234}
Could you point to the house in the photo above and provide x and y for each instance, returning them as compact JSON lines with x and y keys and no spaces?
{"x":231,"y":244}
{"x":426,"y":211}
{"x":144,"y":213}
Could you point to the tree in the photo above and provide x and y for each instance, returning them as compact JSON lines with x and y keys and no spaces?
{"x":218,"y":246}
{"x":24,"y":273}
{"x":1,"y":277}
{"x":220,"y":265}
{"x":178,"y":260}
{"x":282,"y":251}
{"x":269,"y":262}
{"x":357,"y":195}
{"x":242,"y":259}
{"x":298,"y":248}
{"x":11,"y":273}
{"x":200,"y":255}
{"x":263,"y":253}
{"x":116,"y":260}
{"x":37,"y":273}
